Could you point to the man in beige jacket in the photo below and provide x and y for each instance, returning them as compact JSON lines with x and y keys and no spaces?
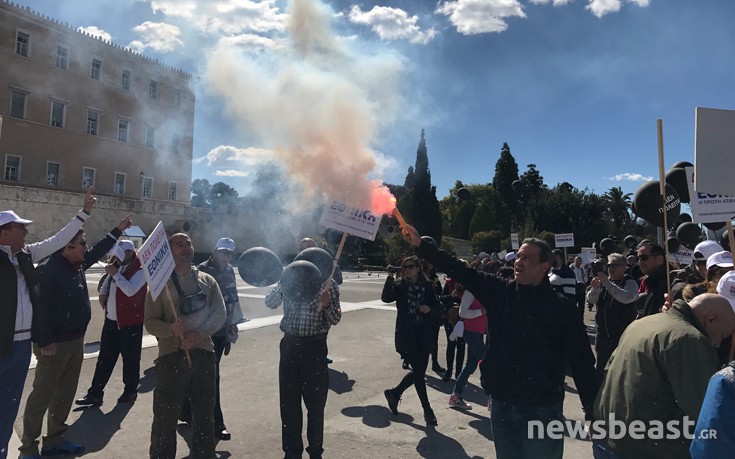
{"x":200,"y":312}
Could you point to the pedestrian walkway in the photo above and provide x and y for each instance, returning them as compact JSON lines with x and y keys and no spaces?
{"x":358,"y":423}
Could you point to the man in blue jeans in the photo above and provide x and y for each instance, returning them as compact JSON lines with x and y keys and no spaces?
{"x":532,"y":332}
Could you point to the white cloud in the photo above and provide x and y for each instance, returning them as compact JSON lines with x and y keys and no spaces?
{"x":391,"y":24}
{"x":96,"y":32}
{"x":157,"y":36}
{"x":231,"y":161}
{"x":602,"y":7}
{"x":231,"y":173}
{"x":181,"y":8}
{"x":553,"y":2}
{"x":629,"y":177}
{"x":480,"y":16}
{"x":250,"y":42}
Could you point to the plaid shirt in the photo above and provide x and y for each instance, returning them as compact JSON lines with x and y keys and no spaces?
{"x":302,"y":319}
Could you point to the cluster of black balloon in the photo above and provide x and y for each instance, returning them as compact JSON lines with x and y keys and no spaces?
{"x":300,"y":281}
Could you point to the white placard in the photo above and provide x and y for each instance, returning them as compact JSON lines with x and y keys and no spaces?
{"x":708,"y":207}
{"x":514,"y":241}
{"x":588,"y":255}
{"x":564,"y":240}
{"x":501,"y":255}
{"x":683,"y":256}
{"x":714,"y":150}
{"x":358,"y":222}
{"x":157,"y":260}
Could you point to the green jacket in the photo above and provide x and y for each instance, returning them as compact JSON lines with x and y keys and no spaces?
{"x":659,"y":372}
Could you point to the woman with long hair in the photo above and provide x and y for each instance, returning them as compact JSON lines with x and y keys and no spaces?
{"x":417,"y":313}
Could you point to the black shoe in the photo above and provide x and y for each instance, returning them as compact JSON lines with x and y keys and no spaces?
{"x":447,"y":376}
{"x":429,"y":417}
{"x":393,"y":399}
{"x":89,"y":400}
{"x":406,"y":365}
{"x":185,"y":419}
{"x":128,"y":397}
{"x":436,"y":368}
{"x":222,"y":433}
{"x":329,"y":361}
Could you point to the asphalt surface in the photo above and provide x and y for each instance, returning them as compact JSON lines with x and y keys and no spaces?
{"x":358,"y":423}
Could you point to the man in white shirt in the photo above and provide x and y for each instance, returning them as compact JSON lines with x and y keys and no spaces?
{"x":123,"y":296}
{"x":19,"y":296}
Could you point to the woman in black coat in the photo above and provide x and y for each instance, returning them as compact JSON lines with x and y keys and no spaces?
{"x":418,"y":312}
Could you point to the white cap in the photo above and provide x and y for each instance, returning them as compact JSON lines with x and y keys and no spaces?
{"x":8,"y":216}
{"x":722,"y":259}
{"x":510,"y":256}
{"x":705,"y":249}
{"x":126,"y":245}
{"x":726,"y":287}
{"x":225,"y":244}
{"x":117,"y":252}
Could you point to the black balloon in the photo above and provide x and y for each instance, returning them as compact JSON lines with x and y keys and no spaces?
{"x":630,"y":241}
{"x":714,"y":226}
{"x":517,"y":186}
{"x":685,"y":218}
{"x":607,"y":246}
{"x":677,"y":177}
{"x":430,"y":240}
{"x":673,"y":244}
{"x":689,"y":234}
{"x":649,"y":207}
{"x":332,"y":236}
{"x":646,"y":241}
{"x":301,"y":281}
{"x":260,"y":267}
{"x":682,"y":164}
{"x":464,"y":194}
{"x":321,"y":259}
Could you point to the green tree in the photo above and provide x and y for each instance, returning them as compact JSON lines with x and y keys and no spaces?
{"x":486,"y":241}
{"x":223,"y":196}
{"x":397,"y":247}
{"x":201,"y":193}
{"x":483,"y":219}
{"x":423,"y":207}
{"x":506,"y":203}
{"x":618,"y":205}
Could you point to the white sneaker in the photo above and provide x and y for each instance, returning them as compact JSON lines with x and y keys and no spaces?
{"x":457,"y":402}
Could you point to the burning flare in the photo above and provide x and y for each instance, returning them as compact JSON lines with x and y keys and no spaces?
{"x":383,"y":202}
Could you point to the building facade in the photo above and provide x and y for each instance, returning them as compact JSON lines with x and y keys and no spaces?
{"x":78,"y":111}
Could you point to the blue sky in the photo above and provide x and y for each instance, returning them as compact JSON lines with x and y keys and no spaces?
{"x":574,"y":86}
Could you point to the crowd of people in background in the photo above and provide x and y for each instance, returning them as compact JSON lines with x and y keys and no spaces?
{"x":663,"y":340}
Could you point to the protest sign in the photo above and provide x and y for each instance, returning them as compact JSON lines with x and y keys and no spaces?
{"x":714,"y":151}
{"x":157,"y":260}
{"x":708,"y":207}
{"x":514,"y":241}
{"x":356,"y":221}
{"x":564,"y":240}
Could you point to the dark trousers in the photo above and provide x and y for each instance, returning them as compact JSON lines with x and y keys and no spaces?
{"x":13,"y":372}
{"x":416,"y":377}
{"x":175,"y":381}
{"x":117,"y":342}
{"x":511,"y":432}
{"x":220,"y":341}
{"x":454,"y":347}
{"x":435,"y":348}
{"x":302,"y":374}
{"x":604,"y":348}
{"x":581,"y":299}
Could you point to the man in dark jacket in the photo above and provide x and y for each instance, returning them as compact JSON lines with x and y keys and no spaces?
{"x":20,"y":304}
{"x":59,"y":343}
{"x":652,"y":261}
{"x":658,"y":376}
{"x":123,"y":298}
{"x":615,"y":297}
{"x":532,"y":331}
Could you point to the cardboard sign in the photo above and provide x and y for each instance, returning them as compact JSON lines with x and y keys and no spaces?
{"x":714,"y":151}
{"x":514,"y":241}
{"x":358,"y":222}
{"x":564,"y":240}
{"x":708,"y":207}
{"x":683,"y":256}
{"x":588,"y":255}
{"x":157,"y":260}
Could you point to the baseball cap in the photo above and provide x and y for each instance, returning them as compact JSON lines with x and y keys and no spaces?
{"x":225,"y":244}
{"x":116,"y":251}
{"x":705,"y":249}
{"x":510,"y":256}
{"x":722,"y":259}
{"x":8,"y":216}
{"x":483,"y":255}
{"x":726,"y":287}
{"x":126,"y":245}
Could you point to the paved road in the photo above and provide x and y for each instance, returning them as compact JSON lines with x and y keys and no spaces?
{"x":357,"y":422}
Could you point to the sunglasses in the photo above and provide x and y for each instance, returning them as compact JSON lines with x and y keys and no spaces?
{"x":645,"y":257}
{"x":83,"y":242}
{"x":409,"y":266}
